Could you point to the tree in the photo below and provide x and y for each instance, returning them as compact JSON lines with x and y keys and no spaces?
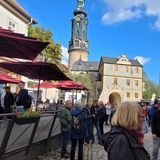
{"x":88,"y":80}
{"x":149,"y":89}
{"x":83,"y":79}
{"x":52,"y":53}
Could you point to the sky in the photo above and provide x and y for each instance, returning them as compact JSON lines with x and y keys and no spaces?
{"x":130,"y":27}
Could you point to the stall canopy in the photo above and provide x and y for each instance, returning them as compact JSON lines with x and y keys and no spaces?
{"x":70,"y":85}
{"x":15,"y":45}
{"x":35,"y":70}
{"x":4,"y":78}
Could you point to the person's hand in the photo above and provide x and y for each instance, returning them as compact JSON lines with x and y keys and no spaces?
{"x":154,"y":136}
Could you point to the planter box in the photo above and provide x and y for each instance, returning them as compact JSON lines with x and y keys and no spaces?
{"x":21,"y":121}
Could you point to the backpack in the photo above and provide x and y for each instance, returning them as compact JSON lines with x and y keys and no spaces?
{"x":77,"y":122}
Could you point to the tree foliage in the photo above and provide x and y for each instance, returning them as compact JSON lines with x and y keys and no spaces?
{"x":149,"y":89}
{"x":52,"y":53}
{"x":88,"y":80}
{"x":83,"y":79}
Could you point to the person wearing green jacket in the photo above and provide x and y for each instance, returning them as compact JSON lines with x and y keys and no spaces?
{"x":65,"y":121}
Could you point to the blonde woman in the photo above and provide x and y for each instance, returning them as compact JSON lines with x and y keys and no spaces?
{"x":124,"y":141}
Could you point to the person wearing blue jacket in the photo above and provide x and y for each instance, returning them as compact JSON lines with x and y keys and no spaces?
{"x":79,"y":130}
{"x":151,"y":111}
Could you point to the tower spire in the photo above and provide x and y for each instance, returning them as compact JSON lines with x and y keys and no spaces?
{"x":78,"y":45}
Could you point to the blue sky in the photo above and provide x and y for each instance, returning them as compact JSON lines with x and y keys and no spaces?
{"x":130,"y":26}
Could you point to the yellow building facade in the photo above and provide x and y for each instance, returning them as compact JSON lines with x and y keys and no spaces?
{"x":121,"y":80}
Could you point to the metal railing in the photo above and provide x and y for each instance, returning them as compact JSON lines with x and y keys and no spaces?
{"x":8,"y":126}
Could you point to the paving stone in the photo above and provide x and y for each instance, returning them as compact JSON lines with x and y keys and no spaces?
{"x":98,"y":152}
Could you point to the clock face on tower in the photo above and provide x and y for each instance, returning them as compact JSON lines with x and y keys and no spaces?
{"x":77,"y":18}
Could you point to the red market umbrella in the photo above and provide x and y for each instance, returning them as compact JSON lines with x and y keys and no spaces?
{"x":35,"y":70}
{"x":15,"y":45}
{"x":44,"y":85}
{"x":4,"y":78}
{"x":70,"y":85}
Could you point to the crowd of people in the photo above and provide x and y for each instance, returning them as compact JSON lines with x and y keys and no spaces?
{"x":78,"y":123}
{"x":128,"y":122}
{"x":47,"y":105}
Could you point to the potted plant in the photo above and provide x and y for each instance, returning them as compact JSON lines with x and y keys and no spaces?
{"x":27,"y":117}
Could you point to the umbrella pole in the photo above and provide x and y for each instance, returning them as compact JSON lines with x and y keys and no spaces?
{"x":76,"y":95}
{"x":38,"y":94}
{"x":72,"y":96}
{"x":46,"y":93}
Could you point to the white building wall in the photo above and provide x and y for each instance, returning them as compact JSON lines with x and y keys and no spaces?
{"x":6,"y":16}
{"x":21,"y":27}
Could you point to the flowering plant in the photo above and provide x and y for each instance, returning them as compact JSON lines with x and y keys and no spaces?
{"x":27,"y":114}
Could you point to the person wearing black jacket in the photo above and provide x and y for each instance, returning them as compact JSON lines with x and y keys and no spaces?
{"x":101,"y":116}
{"x":155,"y":125}
{"x":125,"y":141}
{"x":86,"y":109}
{"x":23,"y":97}
{"x":8,"y":100}
{"x":94,"y":109}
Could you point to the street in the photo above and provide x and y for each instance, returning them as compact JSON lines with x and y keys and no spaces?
{"x":95,"y":151}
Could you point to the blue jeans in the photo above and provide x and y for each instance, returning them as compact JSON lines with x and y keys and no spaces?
{"x":65,"y":141}
{"x":156,"y":146}
{"x":98,"y":132}
{"x":145,"y":127}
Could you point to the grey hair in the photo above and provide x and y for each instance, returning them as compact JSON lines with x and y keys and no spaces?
{"x":77,"y":105}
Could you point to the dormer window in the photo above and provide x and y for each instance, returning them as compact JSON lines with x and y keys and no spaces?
{"x":123,"y":60}
{"x":90,"y":66}
{"x":79,"y":65}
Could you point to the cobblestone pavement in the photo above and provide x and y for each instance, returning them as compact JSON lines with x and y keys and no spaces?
{"x":98,"y":152}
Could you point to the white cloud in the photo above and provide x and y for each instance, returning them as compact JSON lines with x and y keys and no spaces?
{"x":65,"y":55}
{"x":119,"y":11}
{"x":120,"y":16}
{"x":143,"y":60}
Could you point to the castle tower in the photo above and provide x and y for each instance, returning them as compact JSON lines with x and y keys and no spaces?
{"x":78,"y":45}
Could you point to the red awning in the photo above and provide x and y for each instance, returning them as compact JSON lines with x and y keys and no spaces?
{"x":4,"y":78}
{"x":44,"y":85}
{"x":15,"y":45}
{"x":70,"y":85}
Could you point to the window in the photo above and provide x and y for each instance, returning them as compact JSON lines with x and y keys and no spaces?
{"x":115,"y":81}
{"x":137,"y":69}
{"x":12,"y":26}
{"x":128,"y":95}
{"x":136,"y":95}
{"x":116,"y":68}
{"x":127,"y":68}
{"x":128,"y":82}
{"x":136,"y":83}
